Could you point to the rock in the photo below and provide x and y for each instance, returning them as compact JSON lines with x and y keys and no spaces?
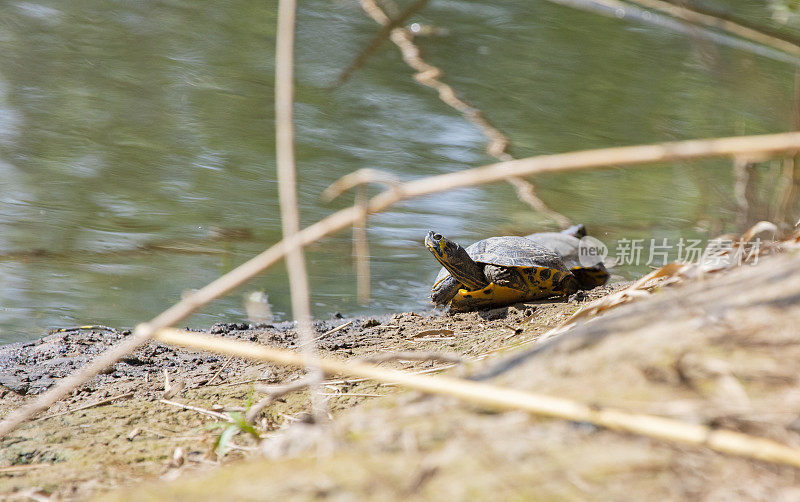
{"x":14,"y":383}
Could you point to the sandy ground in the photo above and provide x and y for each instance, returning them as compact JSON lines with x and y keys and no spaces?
{"x":76,"y":449}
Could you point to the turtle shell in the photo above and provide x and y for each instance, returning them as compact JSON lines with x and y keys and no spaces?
{"x":567,"y":247}
{"x":510,"y":251}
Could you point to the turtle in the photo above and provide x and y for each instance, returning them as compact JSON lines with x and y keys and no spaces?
{"x":496,"y":271}
{"x":566,"y":244}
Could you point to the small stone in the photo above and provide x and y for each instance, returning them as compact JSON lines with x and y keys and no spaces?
{"x":368,"y":323}
{"x":578,"y":297}
{"x":794,"y":425}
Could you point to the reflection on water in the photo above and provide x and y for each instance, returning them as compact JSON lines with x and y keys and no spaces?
{"x":127,"y":124}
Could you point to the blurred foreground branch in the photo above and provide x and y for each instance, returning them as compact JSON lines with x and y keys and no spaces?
{"x":503,"y":398}
{"x":287,"y":191}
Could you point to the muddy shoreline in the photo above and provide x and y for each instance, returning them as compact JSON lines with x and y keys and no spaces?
{"x":84,"y":439}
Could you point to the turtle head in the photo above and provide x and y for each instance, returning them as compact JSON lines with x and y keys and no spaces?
{"x":456,"y":260}
{"x":441,"y":247}
{"x":578,"y":231}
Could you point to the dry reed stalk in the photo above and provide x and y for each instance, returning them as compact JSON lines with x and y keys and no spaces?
{"x":789,"y":198}
{"x":502,"y":398}
{"x":360,"y":177}
{"x":746,"y":146}
{"x":361,"y":247}
{"x":430,"y":76}
{"x":287,"y":191}
{"x":387,"y":27}
{"x":728,"y":16}
{"x":686,"y":13}
{"x":358,"y":180}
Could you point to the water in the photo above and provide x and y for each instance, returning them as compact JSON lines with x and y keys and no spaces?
{"x":124,"y":124}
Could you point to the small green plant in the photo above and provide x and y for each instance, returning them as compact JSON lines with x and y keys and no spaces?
{"x":230,"y":429}
{"x":237,"y":424}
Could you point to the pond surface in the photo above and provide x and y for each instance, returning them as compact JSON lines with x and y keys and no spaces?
{"x":137,"y":144}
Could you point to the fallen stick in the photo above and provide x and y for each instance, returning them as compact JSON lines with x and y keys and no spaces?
{"x":219,"y":371}
{"x":203,"y":411}
{"x":88,"y":406}
{"x":493,"y":396}
{"x":745,"y":146}
{"x":332,"y":331}
{"x":22,"y":468}
{"x":445,"y":357}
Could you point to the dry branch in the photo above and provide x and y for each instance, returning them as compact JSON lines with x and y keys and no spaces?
{"x":502,"y":398}
{"x":356,"y":178}
{"x":430,"y":76}
{"x":445,"y":357}
{"x":378,"y":39}
{"x":89,"y":405}
{"x":691,"y":15}
{"x":746,"y":146}
{"x":361,"y":247}
{"x":287,"y":189}
{"x":334,"y":330}
{"x":202,"y":411}
{"x":219,"y":371}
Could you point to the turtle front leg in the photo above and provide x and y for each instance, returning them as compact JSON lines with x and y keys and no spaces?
{"x":444,"y":290}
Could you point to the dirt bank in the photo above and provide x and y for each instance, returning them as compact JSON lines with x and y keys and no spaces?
{"x":80,"y":450}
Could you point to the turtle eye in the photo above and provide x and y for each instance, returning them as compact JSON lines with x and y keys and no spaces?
{"x":437,"y":237}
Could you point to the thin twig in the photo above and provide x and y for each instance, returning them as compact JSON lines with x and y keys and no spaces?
{"x":753,"y":147}
{"x":360,"y":177}
{"x":219,"y":371}
{"x":526,"y":192}
{"x":287,"y":189}
{"x":334,"y":330}
{"x":357,"y":380}
{"x":361,"y":248}
{"x":203,"y":411}
{"x":377,"y":40}
{"x":23,"y":468}
{"x":348,"y":394}
{"x":445,"y":357}
{"x":628,"y":11}
{"x":89,"y":405}
{"x":721,"y":440}
{"x":85,"y":328}
{"x":691,"y":15}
